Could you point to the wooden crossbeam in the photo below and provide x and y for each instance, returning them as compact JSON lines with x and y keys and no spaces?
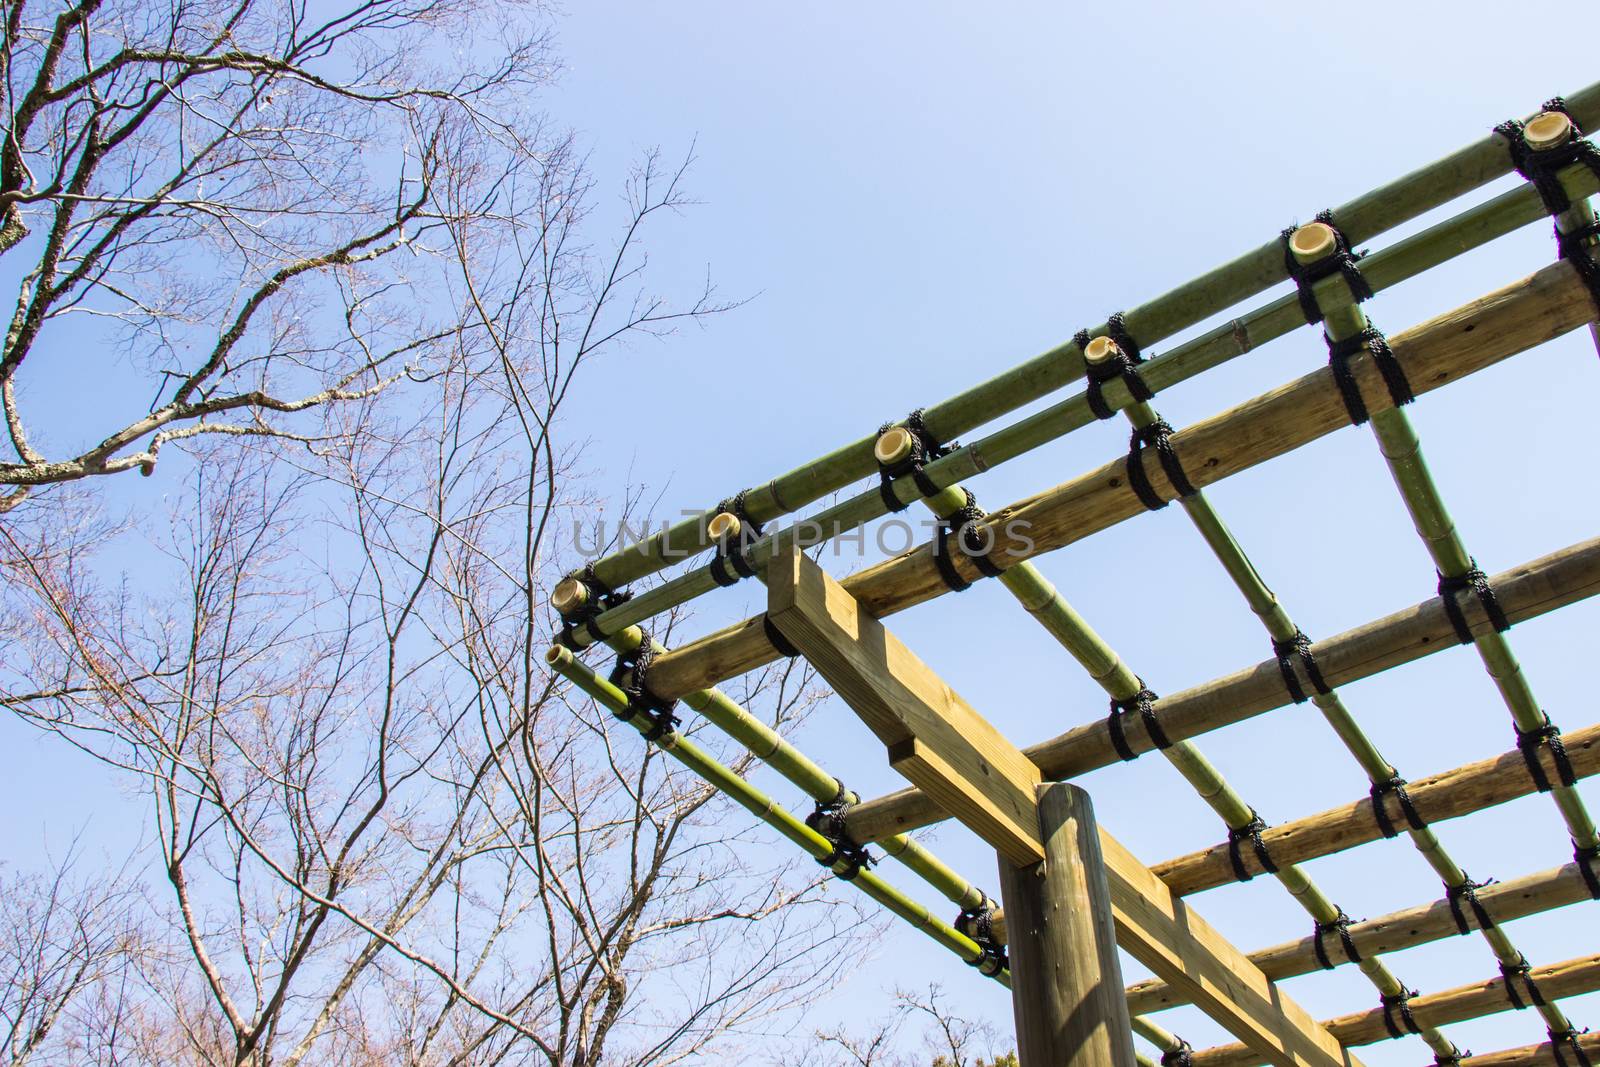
{"x":1473,"y":1001}
{"x":935,"y":736}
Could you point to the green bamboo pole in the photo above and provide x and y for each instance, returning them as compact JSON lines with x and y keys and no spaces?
{"x":1309,"y":244}
{"x":1382,"y":269}
{"x":1550,"y":129}
{"x":1402,"y":450}
{"x":763,"y":807}
{"x":1045,"y":603}
{"x":1362,"y":219}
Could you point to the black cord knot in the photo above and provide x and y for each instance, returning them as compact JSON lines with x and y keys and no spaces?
{"x":1181,"y":1055}
{"x":1252,"y":832}
{"x":1547,"y":735}
{"x":1141,"y":703}
{"x":599,"y":598}
{"x":1157,"y":435}
{"x":1475,"y":581}
{"x":1396,"y":785}
{"x":1123,"y":363}
{"x":1569,"y":1036}
{"x":1453,"y":1059}
{"x":1511,"y":973}
{"x":1339,"y":261}
{"x":925,"y":448}
{"x":1341,"y":923}
{"x":1397,"y":1018}
{"x":828,"y":819}
{"x":1371,"y":341}
{"x":1299,"y":647}
{"x":978,"y":924}
{"x":776,"y":639}
{"x":961,"y":529}
{"x":1542,"y":167}
{"x":1588,"y":859}
{"x":1467,"y":890}
{"x":629,"y":675}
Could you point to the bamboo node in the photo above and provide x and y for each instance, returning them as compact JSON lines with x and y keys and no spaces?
{"x":1548,"y":129}
{"x":893,"y":445}
{"x":1313,"y":241}
{"x":1100,"y":350}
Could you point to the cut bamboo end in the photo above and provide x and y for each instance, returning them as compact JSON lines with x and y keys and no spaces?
{"x":557,"y":656}
{"x":723,"y":524}
{"x":1547,"y":130}
{"x":1100,"y":349}
{"x":893,"y":445}
{"x":1313,"y":241}
{"x":568,"y":596}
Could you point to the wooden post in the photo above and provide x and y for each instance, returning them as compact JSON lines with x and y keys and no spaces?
{"x":1066,"y":982}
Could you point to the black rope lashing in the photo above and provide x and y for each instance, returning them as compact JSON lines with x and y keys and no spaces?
{"x":1380,"y":813}
{"x":776,"y":639}
{"x":1478,"y":583}
{"x":1588,"y":859}
{"x":1251,"y":830}
{"x":734,"y":551}
{"x":1141,"y":703}
{"x":1467,"y":890}
{"x":1569,"y":1036}
{"x":1123,"y":363}
{"x":1339,"y":261}
{"x":1546,"y":736}
{"x":629,"y":676}
{"x":1573,"y":246}
{"x":1453,"y":1058}
{"x":828,"y":819}
{"x":1157,"y":435}
{"x":1397,"y":1018}
{"x":1542,"y":166}
{"x":959,"y":529}
{"x":1510,"y":973}
{"x":1299,"y":646}
{"x":1341,"y":923}
{"x":1181,"y":1055}
{"x":925,"y":448}
{"x":978,"y":923}
{"x":599,"y":597}
{"x":1371,"y":341}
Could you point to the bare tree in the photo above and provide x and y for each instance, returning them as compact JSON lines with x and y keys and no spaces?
{"x":945,"y":1039}
{"x":382,"y":835}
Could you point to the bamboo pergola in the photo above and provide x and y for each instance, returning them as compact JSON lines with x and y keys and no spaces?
{"x":936,"y":740}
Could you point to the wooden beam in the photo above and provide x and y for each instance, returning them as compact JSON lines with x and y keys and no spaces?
{"x":933,"y":736}
{"x":1437,"y":798}
{"x":1399,"y":930}
{"x":1542,"y":1054}
{"x":1524,"y":592}
{"x":1461,"y":342}
{"x":1474,"y":1001}
{"x":1160,"y":931}
{"x":1066,"y":980}
{"x":966,"y":763}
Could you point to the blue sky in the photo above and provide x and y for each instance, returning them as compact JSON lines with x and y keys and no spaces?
{"x":917,"y":196}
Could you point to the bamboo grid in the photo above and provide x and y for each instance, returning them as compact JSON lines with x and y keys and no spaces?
{"x":1178,"y":465}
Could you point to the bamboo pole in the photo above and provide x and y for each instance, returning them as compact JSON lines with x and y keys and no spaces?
{"x":1382,"y":269}
{"x":1518,"y":898}
{"x":1569,"y":978}
{"x":1480,"y":334}
{"x":763,"y":807}
{"x":1533,"y":589}
{"x":1439,"y":797}
{"x":1362,"y":219}
{"x":1546,"y":130}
